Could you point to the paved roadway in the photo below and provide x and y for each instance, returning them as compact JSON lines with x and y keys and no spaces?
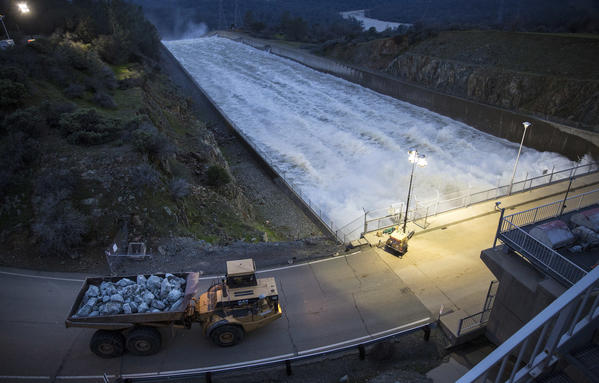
{"x":338,"y":301}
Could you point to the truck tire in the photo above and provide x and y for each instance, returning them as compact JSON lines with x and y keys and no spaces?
{"x":227,"y":335}
{"x":144,"y":341}
{"x":107,"y":344}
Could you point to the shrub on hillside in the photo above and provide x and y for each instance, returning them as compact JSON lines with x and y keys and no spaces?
{"x":179,"y":188}
{"x":104,"y":100}
{"x":54,"y":110}
{"x":87,"y":127}
{"x":217,"y":176}
{"x":13,"y":73}
{"x":17,"y":153}
{"x":149,"y":141}
{"x":30,"y":121}
{"x":57,"y":183}
{"x":74,"y":90}
{"x":144,"y":177}
{"x":59,"y":227}
{"x":77,"y":55}
{"x":12,"y":93}
{"x":113,"y":49}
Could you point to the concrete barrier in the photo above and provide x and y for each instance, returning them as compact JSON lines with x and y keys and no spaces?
{"x":545,"y":135}
{"x":216,"y":114}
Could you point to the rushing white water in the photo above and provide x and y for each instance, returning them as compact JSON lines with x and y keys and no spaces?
{"x":344,"y":146}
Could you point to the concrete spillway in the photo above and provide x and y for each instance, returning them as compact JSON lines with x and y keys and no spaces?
{"x":343,"y":146}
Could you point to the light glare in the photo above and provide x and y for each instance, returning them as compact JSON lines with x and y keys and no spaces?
{"x":23,"y":7}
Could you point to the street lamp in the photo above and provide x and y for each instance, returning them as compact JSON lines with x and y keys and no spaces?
{"x":4,"y":26}
{"x":526,"y":125}
{"x":23,"y":8}
{"x":415,"y":159}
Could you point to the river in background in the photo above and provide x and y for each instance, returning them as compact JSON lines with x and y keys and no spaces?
{"x":367,"y":22}
{"x":344,"y":146}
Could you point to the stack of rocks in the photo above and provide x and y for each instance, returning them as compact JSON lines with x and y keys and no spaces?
{"x":152,"y":294}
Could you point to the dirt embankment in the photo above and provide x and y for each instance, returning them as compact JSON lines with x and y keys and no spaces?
{"x":554,"y":77}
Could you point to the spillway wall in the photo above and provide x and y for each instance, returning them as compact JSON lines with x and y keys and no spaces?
{"x":216,"y":115}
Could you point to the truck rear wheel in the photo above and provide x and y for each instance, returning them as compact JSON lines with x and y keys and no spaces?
{"x":107,"y":344}
{"x":144,"y":341}
{"x":227,"y":335}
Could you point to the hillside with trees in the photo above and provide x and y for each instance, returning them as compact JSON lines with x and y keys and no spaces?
{"x":95,"y":138}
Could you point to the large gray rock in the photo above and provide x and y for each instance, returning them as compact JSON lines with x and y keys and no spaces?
{"x":107,"y":288}
{"x":148,"y":297}
{"x":84,"y":311}
{"x":125,"y":282}
{"x":92,"y":291}
{"x":158,"y":304}
{"x":117,"y":298}
{"x":153,"y":294}
{"x":141,"y":281}
{"x":165,"y":288}
{"x":174,"y":295}
{"x":154,"y":282}
{"x":111,"y":308}
{"x":176,"y":305}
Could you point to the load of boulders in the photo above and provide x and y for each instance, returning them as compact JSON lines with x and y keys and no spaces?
{"x":151,"y":294}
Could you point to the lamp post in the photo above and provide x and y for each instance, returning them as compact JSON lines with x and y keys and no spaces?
{"x":4,"y":26}
{"x":526,"y":125}
{"x":23,"y":8}
{"x":415,"y":159}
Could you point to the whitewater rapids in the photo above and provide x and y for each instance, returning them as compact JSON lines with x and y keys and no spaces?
{"x":343,"y":146}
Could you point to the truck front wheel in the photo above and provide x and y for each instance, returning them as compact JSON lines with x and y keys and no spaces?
{"x":107,"y":344}
{"x":226,"y":335}
{"x":144,"y":341}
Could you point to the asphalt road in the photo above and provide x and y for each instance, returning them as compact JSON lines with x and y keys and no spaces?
{"x":339,"y":301}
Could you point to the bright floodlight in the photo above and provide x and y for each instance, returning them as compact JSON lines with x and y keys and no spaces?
{"x":23,"y":7}
{"x":418,"y":159}
{"x":526,"y":124}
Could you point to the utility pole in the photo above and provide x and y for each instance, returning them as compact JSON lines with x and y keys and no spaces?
{"x":236,"y":14}
{"x":221,"y":15}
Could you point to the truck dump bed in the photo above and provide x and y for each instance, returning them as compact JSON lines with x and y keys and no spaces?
{"x":122,"y":321}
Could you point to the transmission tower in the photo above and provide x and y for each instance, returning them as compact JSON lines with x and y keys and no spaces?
{"x":236,"y":14}
{"x":221,"y":15}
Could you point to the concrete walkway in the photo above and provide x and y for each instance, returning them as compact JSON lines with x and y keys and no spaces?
{"x":443,"y":266}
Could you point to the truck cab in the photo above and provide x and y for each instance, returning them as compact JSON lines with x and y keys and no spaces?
{"x":240,"y":303}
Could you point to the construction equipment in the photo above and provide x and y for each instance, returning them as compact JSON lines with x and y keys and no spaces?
{"x":237,"y":304}
{"x":398,"y":242}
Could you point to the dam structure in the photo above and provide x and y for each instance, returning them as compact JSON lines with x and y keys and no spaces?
{"x":344,"y":147}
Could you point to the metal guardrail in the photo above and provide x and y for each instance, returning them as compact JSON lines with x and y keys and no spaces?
{"x":287,"y":360}
{"x":539,"y":342}
{"x":479,"y":319}
{"x":473,"y":321}
{"x":541,"y":256}
{"x":548,"y":260}
{"x":381,"y":218}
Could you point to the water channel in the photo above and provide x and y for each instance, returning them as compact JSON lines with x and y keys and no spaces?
{"x":344,"y":146}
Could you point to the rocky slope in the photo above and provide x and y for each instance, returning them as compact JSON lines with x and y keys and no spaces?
{"x":551,"y":76}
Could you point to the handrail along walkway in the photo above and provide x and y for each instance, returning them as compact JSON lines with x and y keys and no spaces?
{"x":559,"y":322}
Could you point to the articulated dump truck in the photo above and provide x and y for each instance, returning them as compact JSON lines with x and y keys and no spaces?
{"x":237,"y":304}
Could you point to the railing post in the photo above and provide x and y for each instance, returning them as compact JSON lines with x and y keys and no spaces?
{"x":362,"y":352}
{"x":551,"y":176}
{"x":499,"y":226}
